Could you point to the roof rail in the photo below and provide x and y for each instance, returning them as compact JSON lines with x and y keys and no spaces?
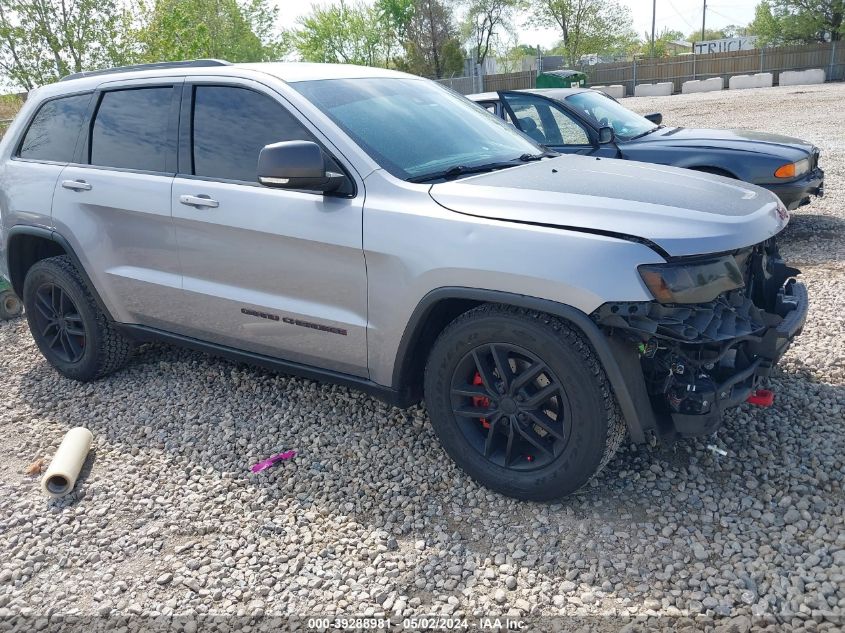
{"x":189,"y":63}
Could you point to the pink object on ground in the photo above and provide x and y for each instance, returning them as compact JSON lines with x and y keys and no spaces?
{"x":266,"y":463}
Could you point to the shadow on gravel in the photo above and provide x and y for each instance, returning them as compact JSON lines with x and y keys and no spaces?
{"x":813,"y":238}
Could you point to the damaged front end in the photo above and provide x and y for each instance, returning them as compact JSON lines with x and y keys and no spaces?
{"x":717,"y":327}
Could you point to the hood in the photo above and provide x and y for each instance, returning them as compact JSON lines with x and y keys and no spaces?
{"x":681,"y":211}
{"x":734,"y":139}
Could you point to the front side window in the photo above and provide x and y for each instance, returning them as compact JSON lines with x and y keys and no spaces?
{"x":545,"y":121}
{"x":131,"y":129}
{"x":414,"y":127}
{"x":54,"y":130}
{"x":231,"y":125}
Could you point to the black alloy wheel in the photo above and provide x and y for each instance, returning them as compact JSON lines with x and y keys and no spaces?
{"x":59,"y":322}
{"x":510,"y":406}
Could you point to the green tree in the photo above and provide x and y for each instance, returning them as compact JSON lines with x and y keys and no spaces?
{"x":661,"y":43}
{"x":586,"y":26}
{"x":348,"y":34}
{"x":485,"y":21}
{"x":224,"y":29}
{"x":43,"y":40}
{"x":395,"y":16}
{"x":799,"y":21}
{"x":432,"y":47}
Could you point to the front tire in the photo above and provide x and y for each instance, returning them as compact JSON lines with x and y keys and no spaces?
{"x":520,"y":402}
{"x":69,"y":328}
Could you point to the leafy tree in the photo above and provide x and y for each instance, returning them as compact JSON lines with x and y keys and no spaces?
{"x":661,"y":42}
{"x":484,"y":22}
{"x":799,"y":21}
{"x":586,"y":26}
{"x":348,"y":34}
{"x":709,"y":34}
{"x":394,"y":17}
{"x":239,"y":31}
{"x":43,"y":40}
{"x":432,"y":47}
{"x":509,"y":59}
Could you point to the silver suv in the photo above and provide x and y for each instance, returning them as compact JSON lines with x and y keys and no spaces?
{"x":375,"y":229}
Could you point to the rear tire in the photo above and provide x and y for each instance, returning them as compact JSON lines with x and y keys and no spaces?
{"x":546,"y":429}
{"x":69,"y":328}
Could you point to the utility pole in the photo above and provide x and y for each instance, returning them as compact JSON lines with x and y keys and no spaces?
{"x":703,"y":18}
{"x":653,"y":18}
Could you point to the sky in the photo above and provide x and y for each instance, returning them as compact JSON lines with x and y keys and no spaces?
{"x":681,"y":15}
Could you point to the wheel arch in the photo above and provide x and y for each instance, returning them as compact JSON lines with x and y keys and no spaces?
{"x":27,"y":245}
{"x":442,"y":305}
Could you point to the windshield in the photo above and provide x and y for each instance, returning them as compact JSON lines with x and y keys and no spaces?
{"x":413,"y":128}
{"x":603,"y":111}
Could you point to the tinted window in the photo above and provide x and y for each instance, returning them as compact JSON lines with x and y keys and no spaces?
{"x":130,"y":129}
{"x":53,"y":132}
{"x":231,"y":125}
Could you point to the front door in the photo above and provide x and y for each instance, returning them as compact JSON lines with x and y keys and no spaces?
{"x":550,"y":124}
{"x":272,"y":271}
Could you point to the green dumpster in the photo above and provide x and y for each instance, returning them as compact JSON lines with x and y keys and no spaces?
{"x":561,"y":79}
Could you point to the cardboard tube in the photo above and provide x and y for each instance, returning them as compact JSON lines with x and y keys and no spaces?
{"x":60,"y":477}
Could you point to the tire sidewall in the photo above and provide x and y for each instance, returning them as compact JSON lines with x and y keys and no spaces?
{"x":583,"y":453}
{"x":47,"y":272}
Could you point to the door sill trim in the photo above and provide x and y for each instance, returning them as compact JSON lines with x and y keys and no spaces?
{"x":144,"y":334}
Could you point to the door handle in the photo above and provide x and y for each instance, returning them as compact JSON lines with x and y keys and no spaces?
{"x":76,"y":185}
{"x":199,"y":201}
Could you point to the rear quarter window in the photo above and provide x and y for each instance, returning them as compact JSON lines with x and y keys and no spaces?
{"x":54,"y":129}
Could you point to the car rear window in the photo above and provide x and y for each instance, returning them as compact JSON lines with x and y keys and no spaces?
{"x":130,"y":129}
{"x":54,"y":129}
{"x":232,"y":125}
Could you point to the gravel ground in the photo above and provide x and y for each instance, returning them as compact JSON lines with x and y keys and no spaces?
{"x":370,"y":518}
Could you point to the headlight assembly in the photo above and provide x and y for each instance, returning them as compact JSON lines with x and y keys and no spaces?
{"x":793,"y":170}
{"x":692,"y":282}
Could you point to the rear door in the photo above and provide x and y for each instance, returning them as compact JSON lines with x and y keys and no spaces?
{"x":552,"y":125}
{"x":276,"y":272}
{"x":113,"y":202}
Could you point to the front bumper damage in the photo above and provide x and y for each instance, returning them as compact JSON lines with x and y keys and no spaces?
{"x":698,"y":360}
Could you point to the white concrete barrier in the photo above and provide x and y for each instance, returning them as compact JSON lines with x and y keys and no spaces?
{"x":742,"y":82}
{"x":801,"y":77}
{"x":616,"y":91}
{"x":663,"y":89}
{"x":703,"y":85}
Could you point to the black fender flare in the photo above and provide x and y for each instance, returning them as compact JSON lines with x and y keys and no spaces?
{"x":619,"y":359}
{"x":53,"y":236}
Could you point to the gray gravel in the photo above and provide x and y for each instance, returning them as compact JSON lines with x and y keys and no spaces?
{"x":371,"y":518}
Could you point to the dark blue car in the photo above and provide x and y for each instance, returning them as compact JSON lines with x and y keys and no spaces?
{"x":584,"y":121}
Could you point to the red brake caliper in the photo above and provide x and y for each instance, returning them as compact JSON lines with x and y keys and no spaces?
{"x":481,"y":401}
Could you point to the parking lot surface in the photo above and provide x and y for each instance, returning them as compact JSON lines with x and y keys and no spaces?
{"x":372,"y":518}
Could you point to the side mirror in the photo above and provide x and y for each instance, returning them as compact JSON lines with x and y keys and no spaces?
{"x":606,"y":135}
{"x":296,"y":165}
{"x":655,"y":118}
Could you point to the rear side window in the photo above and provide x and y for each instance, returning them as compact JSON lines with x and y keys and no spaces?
{"x":230,"y":127}
{"x":54,"y":129}
{"x":130,"y":129}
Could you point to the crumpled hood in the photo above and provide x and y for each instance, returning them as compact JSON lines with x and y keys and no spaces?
{"x":746,"y":140}
{"x":683,"y":212}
